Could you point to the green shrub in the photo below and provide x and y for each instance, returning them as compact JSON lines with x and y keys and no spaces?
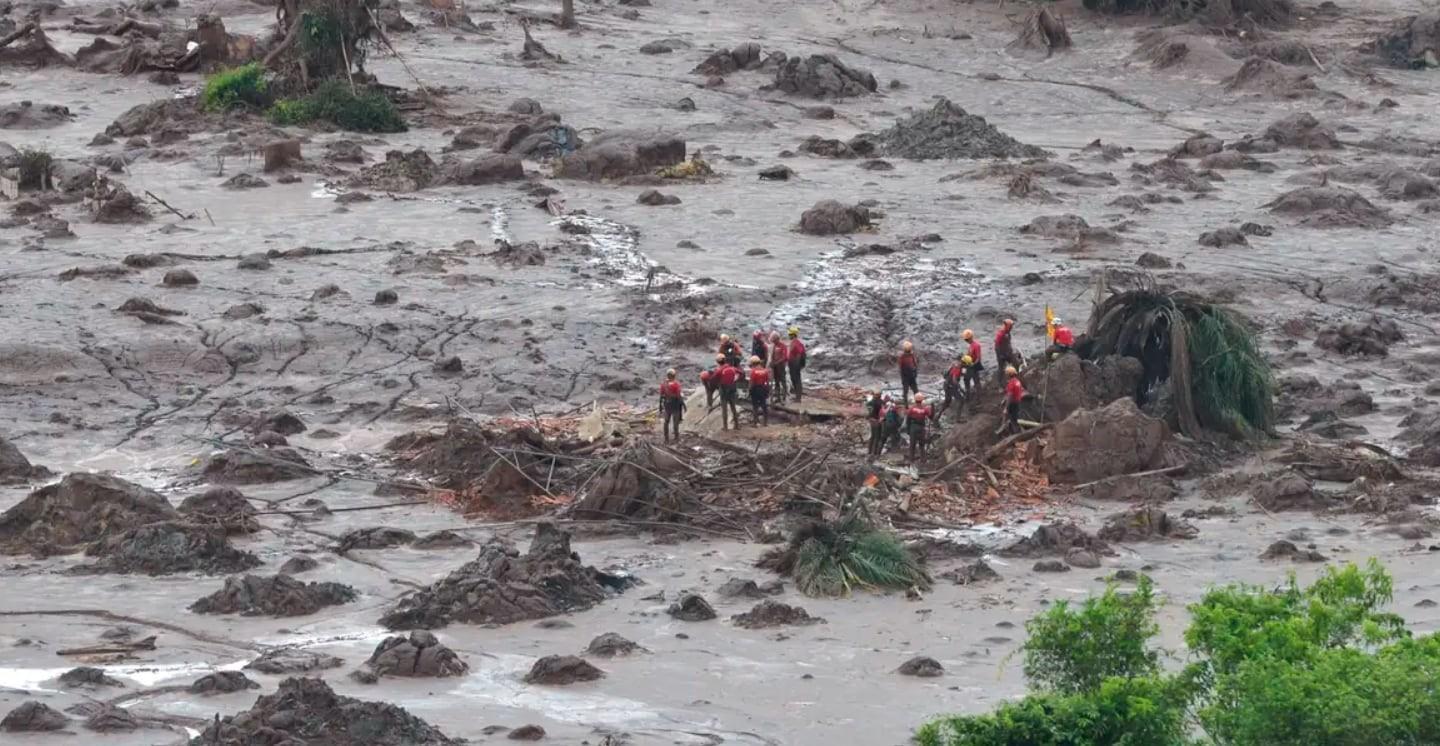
{"x":1073,"y":651}
{"x":337,"y":103}
{"x":238,"y":86}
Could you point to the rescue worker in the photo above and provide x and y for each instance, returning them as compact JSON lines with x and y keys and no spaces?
{"x":729,"y":376}
{"x":778,"y":352}
{"x":672,"y":404}
{"x":730,"y":350}
{"x":710,"y":379}
{"x":972,"y":372}
{"x":909,"y":364}
{"x":953,"y":376}
{"x":795,"y":358}
{"x":1014,"y":394}
{"x":875,"y":415}
{"x":1005,"y":354}
{"x":1062,"y":343}
{"x":759,"y":390}
{"x":892,"y":424}
{"x":916,"y":417}
{"x":758,"y":348}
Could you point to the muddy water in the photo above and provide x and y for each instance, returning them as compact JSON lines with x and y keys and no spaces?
{"x":83,"y":388}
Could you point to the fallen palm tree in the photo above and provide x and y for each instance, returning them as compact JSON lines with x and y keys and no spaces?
{"x":1218,"y":379}
{"x":833,"y":559}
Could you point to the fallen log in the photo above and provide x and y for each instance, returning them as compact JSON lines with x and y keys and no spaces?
{"x":111,"y":648}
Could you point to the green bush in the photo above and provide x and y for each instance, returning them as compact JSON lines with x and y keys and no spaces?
{"x":236,"y":87}
{"x":1073,"y":651}
{"x":337,"y":103}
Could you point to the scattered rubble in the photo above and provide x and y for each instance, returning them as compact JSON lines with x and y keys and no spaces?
{"x":822,"y":76}
{"x":277,"y":595}
{"x":303,"y":707}
{"x":770,"y":613}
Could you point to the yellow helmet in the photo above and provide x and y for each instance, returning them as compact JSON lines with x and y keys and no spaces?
{"x":724,"y":337}
{"x":1010,"y":371}
{"x":967,"y":335}
{"x":794,"y":331}
{"x":966,"y":359}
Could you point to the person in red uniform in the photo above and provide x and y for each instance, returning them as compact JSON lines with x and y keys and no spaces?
{"x":710,"y":379}
{"x":778,"y":368}
{"x":909,"y":364}
{"x":1062,"y":343}
{"x":729,"y":376}
{"x":672,"y":404}
{"x":1005,"y":353}
{"x":795,"y":358}
{"x":916,"y":417}
{"x":972,"y":373}
{"x":875,"y":415}
{"x":1014,"y":394}
{"x":759,"y":391}
{"x":729,"y":349}
{"x":953,"y":376}
{"x":758,"y":348}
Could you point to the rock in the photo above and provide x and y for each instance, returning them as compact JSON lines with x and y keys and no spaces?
{"x":15,"y":469}
{"x":399,"y":172}
{"x":490,"y":169}
{"x":525,"y":106}
{"x":502,"y":586}
{"x":387,"y":297}
{"x":1285,"y":490}
{"x":1067,"y":227}
{"x":247,"y":467}
{"x":655,"y":198}
{"x":948,"y":131}
{"x":179,"y":278}
{"x":971,"y":574}
{"x":770,"y":613}
{"x":377,"y":537}
{"x":277,"y":595}
{"x":298,"y":564}
{"x":828,"y":218}
{"x":1222,"y":237}
{"x":245,"y":181}
{"x":743,"y":588}
{"x":1054,"y":539}
{"x":1050,"y":566}
{"x":691,"y":607}
{"x":664,"y":46}
{"x":225,"y":507}
{"x":1287,"y":550}
{"x":449,"y":366}
{"x":611,"y":645}
{"x":293,"y":660}
{"x":222,"y":682}
{"x":776,"y":173}
{"x":1302,"y":130}
{"x":1198,"y":146}
{"x":1372,"y":339}
{"x":165,"y":549}
{"x":420,"y":655}
{"x":87,"y":676}
{"x":1330,"y":207}
{"x":822,"y":76}
{"x":1151,"y":260}
{"x":818,"y":112}
{"x":562,"y":670}
{"x":1235,"y":160}
{"x":1083,"y":558}
{"x":108,"y":719}
{"x":1145,"y":524}
{"x":442,"y":540}
{"x":1093,"y":444}
{"x":280,"y":154}
{"x":344,"y":151}
{"x":33,"y":717}
{"x":923,"y":667}
{"x":616,"y":155}
{"x":25,"y":115}
{"x":80,"y":509}
{"x":254,"y":262}
{"x":527,"y":732}
{"x":302,"y":708}
{"x":243,"y":311}
{"x":747,"y":56}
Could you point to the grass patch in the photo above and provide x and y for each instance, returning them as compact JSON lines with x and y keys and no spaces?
{"x":242,"y":86}
{"x":335,"y":102}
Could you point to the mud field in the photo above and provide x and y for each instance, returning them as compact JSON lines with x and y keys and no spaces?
{"x":239,"y":321}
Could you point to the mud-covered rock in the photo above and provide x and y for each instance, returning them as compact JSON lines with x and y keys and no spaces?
{"x":1050,"y":566}
{"x":1288,"y":550}
{"x":16,"y":469}
{"x":526,"y":733}
{"x":1221,"y":237}
{"x":222,"y":682}
{"x":1299,"y":394}
{"x":562,"y":670}
{"x":165,"y":549}
{"x":1082,"y":558}
{"x":745,"y":588}
{"x":225,"y":507}
{"x":179,"y":278}
{"x":1069,"y":384}
{"x":376,"y":537}
{"x":1067,"y":227}
{"x":1372,"y":338}
{"x":691,"y":607}
{"x":1410,"y":43}
{"x":1145,"y":524}
{"x":277,"y":595}
{"x":307,"y":711}
{"x":948,"y":131}
{"x":248,"y":467}
{"x":770,"y":613}
{"x":298,"y":564}
{"x":1152,"y":488}
{"x":33,"y":717}
{"x":971,"y":574}
{"x":1330,"y":207}
{"x":419,"y":655}
{"x":87,"y":677}
{"x":111,"y":719}
{"x":1054,"y":540}
{"x":656,"y":198}
{"x":748,"y":56}
{"x":1286,"y":490}
{"x":399,"y":172}
{"x":502,"y":586}
{"x":442,"y":540}
{"x":490,"y":169}
{"x":81,"y":508}
{"x":293,"y":660}
{"x":829,"y":217}
{"x":921,"y":666}
{"x":616,"y":155}
{"x":822,"y":76}
{"x":1093,"y":444}
{"x":611,"y":645}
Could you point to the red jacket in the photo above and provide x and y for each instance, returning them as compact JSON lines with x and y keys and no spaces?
{"x":797,"y":350}
{"x":671,"y":389}
{"x":956,"y":372}
{"x":974,"y":351}
{"x":729,"y":374}
{"x":1014,"y":390}
{"x":778,"y":353}
{"x":918,"y":412}
{"x":907,"y":360}
{"x":1002,"y":337}
{"x":759,"y":377}
{"x":1064,"y":337}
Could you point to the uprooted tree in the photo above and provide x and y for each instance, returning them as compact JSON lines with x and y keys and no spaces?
{"x":323,"y":39}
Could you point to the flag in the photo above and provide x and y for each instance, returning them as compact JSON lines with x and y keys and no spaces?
{"x":1050,"y":323}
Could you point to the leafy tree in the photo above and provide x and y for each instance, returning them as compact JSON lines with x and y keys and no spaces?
{"x":1075,"y":651}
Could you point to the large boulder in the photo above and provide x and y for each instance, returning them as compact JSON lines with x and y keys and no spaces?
{"x":419,"y":655}
{"x":829,"y":217}
{"x":277,"y":595}
{"x":81,"y":508}
{"x":616,"y":155}
{"x":1068,"y":384}
{"x":31,"y":717}
{"x":304,"y":709}
{"x":1097,"y":443}
{"x":490,"y":169}
{"x":822,"y":76}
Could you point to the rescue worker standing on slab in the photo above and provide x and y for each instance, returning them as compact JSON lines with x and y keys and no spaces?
{"x":710,"y":379}
{"x":1014,"y":394}
{"x":672,"y":405}
{"x":1005,"y":354}
{"x":795,"y":358}
{"x":972,"y":372}
{"x":729,"y":349}
{"x":875,"y":415}
{"x":909,"y":364}
{"x":916,"y":418}
{"x":1062,"y":342}
{"x":759,"y":391}
{"x":729,"y":376}
{"x":778,"y":368}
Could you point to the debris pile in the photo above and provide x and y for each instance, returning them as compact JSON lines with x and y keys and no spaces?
{"x":419,"y":655}
{"x":1145,"y":524}
{"x":223,"y":507}
{"x":822,"y":76}
{"x":303,"y":707}
{"x":277,"y":595}
{"x":165,"y":549}
{"x":81,"y":508}
{"x":770,"y":613}
{"x":948,"y":131}
{"x":1094,"y":444}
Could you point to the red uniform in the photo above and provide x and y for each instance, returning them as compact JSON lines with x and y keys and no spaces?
{"x":759,"y":377}
{"x":671,"y":389}
{"x":974,"y":352}
{"x":907,"y":361}
{"x":778,"y":353}
{"x":729,"y":375}
{"x":919,"y":413}
{"x":1002,"y":337}
{"x":956,"y":371}
{"x":796,"y":351}
{"x":1014,"y":391}
{"x":1064,"y":337}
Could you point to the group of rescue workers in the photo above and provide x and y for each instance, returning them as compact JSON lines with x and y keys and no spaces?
{"x":773,"y":358}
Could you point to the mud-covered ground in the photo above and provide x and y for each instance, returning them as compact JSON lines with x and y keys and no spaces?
{"x":84,"y":387}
